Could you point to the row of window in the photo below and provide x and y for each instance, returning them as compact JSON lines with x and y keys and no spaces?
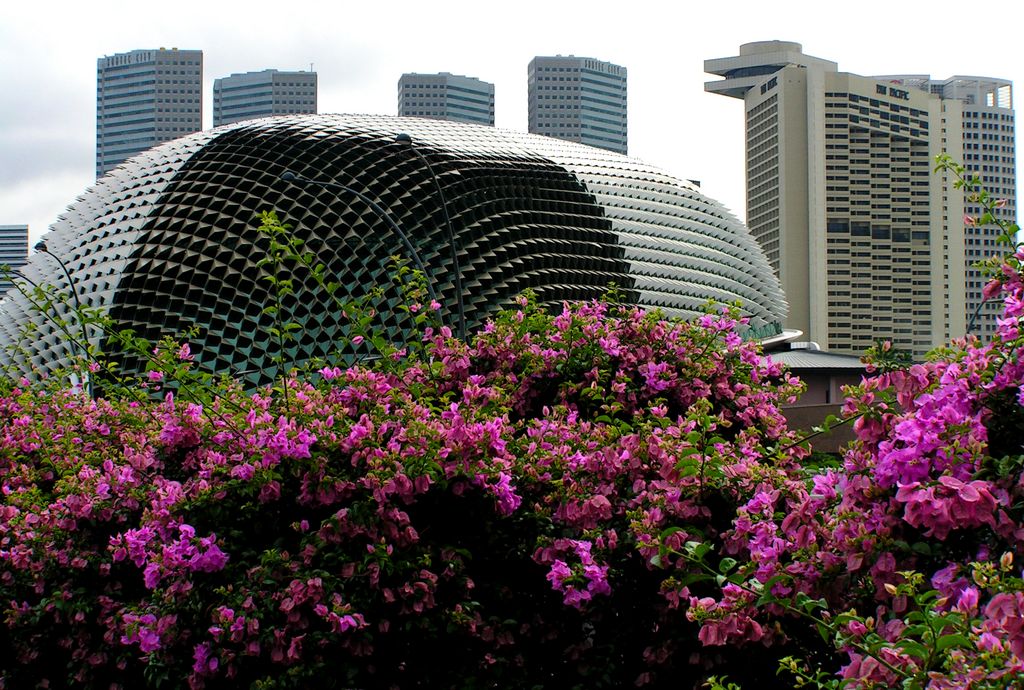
{"x":1002,"y":117}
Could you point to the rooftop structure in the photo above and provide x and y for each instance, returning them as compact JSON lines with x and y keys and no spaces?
{"x":167,"y":242}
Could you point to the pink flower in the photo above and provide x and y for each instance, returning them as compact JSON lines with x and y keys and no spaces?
{"x":558,"y":574}
{"x":330,"y":373}
{"x":209,"y":561}
{"x":968,"y":601}
{"x":205,"y":663}
{"x":1005,"y":614}
{"x":503,"y":490}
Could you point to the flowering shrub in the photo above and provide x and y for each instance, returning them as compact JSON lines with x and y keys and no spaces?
{"x":596,"y":498}
{"x":903,"y":556}
{"x":477,"y":515}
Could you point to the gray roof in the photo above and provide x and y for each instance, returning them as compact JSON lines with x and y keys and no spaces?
{"x":817,"y":359}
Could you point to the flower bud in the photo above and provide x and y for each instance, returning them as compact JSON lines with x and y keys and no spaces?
{"x":1006,"y":561}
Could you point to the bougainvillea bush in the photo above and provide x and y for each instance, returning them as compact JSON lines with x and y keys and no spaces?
{"x":484,"y":516}
{"x":597,"y":498}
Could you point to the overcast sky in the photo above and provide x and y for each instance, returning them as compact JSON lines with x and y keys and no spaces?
{"x":48,"y":53}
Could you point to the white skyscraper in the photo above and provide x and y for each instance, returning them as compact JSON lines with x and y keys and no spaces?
{"x":867,"y":241}
{"x":978,"y":129}
{"x":579,"y":99}
{"x":144,"y":98}
{"x":262,"y":94}
{"x":446,"y":96}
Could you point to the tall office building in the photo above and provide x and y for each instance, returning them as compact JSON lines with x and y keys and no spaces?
{"x":446,"y":96}
{"x":578,"y":99}
{"x":144,"y":98}
{"x":978,"y":129}
{"x":867,"y":241}
{"x":13,"y":250}
{"x":262,"y":94}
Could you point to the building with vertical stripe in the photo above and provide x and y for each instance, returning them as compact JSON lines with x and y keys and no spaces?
{"x":978,"y":129}
{"x":867,"y":241}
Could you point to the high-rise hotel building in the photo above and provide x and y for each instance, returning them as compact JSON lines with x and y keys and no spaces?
{"x":867,"y":241}
{"x":578,"y":99}
{"x":250,"y":95}
{"x":977,"y":129}
{"x":144,"y":98}
{"x":446,"y":96}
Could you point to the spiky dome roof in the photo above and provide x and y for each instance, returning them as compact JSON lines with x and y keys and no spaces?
{"x":167,"y":240}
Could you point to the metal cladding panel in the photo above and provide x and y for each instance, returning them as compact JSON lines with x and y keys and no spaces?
{"x":168,"y":240}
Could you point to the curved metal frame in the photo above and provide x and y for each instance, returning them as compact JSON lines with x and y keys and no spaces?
{"x":404,"y":138}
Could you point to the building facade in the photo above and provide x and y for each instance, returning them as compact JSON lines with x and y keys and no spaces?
{"x":13,"y":251}
{"x":271,"y":92}
{"x":144,"y":98}
{"x":446,"y":96}
{"x":579,"y":99}
{"x":867,"y":242}
{"x":168,"y":241}
{"x":978,"y":129}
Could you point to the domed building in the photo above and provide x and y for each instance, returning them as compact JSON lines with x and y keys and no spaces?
{"x":169,"y":241}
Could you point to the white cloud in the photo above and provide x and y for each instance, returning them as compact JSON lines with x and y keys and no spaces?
{"x":48,"y":54}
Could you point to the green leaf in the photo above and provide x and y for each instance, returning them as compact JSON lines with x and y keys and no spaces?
{"x":691,"y":578}
{"x":952,"y":640}
{"x":808,"y":604}
{"x":918,"y":629}
{"x":913,"y":648}
{"x":687,"y":469}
